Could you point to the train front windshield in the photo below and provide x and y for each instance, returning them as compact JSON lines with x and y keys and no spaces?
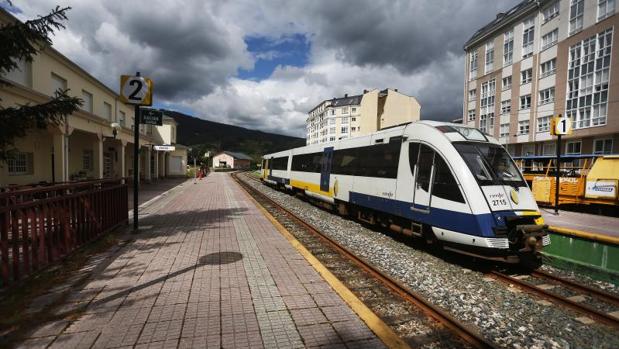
{"x":490,"y":164}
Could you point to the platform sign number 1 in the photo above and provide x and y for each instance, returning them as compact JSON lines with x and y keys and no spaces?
{"x":561,"y":126}
{"x":136,"y":90}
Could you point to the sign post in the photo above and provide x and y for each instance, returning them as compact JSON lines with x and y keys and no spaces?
{"x":559,"y":126}
{"x":138,"y":91}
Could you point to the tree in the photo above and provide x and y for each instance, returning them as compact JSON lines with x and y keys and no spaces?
{"x":21,"y":42}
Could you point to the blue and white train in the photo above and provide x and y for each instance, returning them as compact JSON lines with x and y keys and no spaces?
{"x":453,"y":186}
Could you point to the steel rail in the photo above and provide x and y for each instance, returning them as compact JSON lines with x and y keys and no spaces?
{"x":582,"y":308}
{"x":601,"y":294}
{"x":464,"y":331}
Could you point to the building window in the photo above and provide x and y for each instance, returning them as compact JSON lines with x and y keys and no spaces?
{"x":549,"y":148}
{"x":550,"y":39}
{"x":87,"y":98}
{"x":353,"y":110}
{"x":547,"y":96}
{"x":508,"y":47}
{"x":577,"y":8}
{"x":504,"y":131}
{"x":486,"y":111}
{"x":507,"y":83}
{"x":331,"y":121}
{"x":344,"y":120}
{"x":523,"y":127}
{"x":88,"y":160}
{"x":525,"y":102}
{"x":506,"y":106}
{"x":473,"y":65}
{"x":353,"y":129}
{"x":543,"y":124}
{"x":58,"y":83}
{"x":548,"y":68}
{"x":20,"y":163}
{"x":489,"y":56}
{"x":353,"y":119}
{"x":332,"y":130}
{"x":107,"y":111}
{"x":605,"y":8}
{"x":551,"y":11}
{"x":472,"y":94}
{"x":526,"y":76}
{"x":344,"y":129}
{"x":121,"y":118}
{"x":528,"y":35}
{"x":572,"y":148}
{"x":588,"y":80}
{"x":22,"y":74}
{"x":603,"y":146}
{"x":471,"y":116}
{"x":332,"y":111}
{"x":344,"y":110}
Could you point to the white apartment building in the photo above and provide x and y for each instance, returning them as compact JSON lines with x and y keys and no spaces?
{"x":352,"y":116}
{"x":543,"y":58}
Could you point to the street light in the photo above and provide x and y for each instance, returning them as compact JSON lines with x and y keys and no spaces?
{"x":115,"y":127}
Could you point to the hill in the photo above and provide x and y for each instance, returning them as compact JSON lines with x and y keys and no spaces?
{"x":209,"y":135}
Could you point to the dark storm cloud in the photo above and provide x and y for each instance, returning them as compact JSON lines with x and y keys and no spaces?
{"x":406,"y":34}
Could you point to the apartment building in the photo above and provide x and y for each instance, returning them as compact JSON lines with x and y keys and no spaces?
{"x":543,"y":58}
{"x":94,"y":142}
{"x":352,"y":116}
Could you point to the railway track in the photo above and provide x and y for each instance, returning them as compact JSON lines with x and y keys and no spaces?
{"x":463,"y":331}
{"x":590,"y":302}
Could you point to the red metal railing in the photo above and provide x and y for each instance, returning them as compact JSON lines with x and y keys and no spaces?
{"x":39,"y":226}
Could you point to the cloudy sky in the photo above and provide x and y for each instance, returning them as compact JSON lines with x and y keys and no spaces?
{"x":264,"y":64}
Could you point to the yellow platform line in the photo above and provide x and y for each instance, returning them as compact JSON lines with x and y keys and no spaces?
{"x":585,"y":235}
{"x":384,"y":332}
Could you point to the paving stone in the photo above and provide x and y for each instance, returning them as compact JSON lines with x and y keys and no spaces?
{"x":211,"y":271}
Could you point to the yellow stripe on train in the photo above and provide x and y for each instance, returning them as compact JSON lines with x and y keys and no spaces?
{"x":314,"y":188}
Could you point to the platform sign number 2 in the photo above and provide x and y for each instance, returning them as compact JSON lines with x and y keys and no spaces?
{"x":136,"y":90}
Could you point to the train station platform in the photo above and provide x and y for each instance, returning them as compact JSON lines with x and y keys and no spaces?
{"x":210,"y":270}
{"x":586,"y":225}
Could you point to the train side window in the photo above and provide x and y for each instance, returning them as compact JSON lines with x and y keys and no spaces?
{"x":306,"y":162}
{"x":445,"y":185}
{"x":426,"y":158}
{"x":279,"y":163}
{"x":413,"y":153}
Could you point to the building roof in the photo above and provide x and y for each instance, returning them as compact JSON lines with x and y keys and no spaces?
{"x":347,"y":100}
{"x":240,"y":156}
{"x":503,"y":19}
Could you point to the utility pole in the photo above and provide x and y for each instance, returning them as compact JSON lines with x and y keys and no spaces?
{"x":136,"y":163}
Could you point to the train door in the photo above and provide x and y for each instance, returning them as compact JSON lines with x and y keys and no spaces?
{"x":422,"y":164}
{"x":325,"y":169}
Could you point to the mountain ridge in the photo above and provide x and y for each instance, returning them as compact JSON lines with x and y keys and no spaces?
{"x":217,"y":136}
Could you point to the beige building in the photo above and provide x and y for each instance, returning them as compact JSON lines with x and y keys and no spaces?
{"x":353,"y":116}
{"x":85,"y":146}
{"x":540,"y":59}
{"x":232,"y":160}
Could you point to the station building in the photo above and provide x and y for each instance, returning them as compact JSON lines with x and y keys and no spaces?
{"x":352,"y":116}
{"x":232,"y":160}
{"x":86,"y":146}
{"x":544,"y":58}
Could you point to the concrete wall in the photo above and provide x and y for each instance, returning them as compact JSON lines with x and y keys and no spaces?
{"x":369,"y":110}
{"x":399,"y":109}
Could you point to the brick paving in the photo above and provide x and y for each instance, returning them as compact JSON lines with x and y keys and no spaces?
{"x":211,"y":272}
